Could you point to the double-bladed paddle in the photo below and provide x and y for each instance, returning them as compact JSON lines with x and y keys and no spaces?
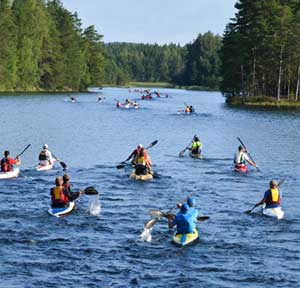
{"x":251,"y":210}
{"x":181,"y":153}
{"x":239,"y":139}
{"x":123,"y":164}
{"x":160,"y":214}
{"x":23,"y":150}
{"x":90,"y":191}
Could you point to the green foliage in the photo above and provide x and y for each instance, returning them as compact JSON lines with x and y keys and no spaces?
{"x":43,"y":47}
{"x":260,"y":53}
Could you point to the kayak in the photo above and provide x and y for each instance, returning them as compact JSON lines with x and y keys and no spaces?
{"x":143,"y":177}
{"x":273,"y":212}
{"x":12,"y":174}
{"x":62,"y":212}
{"x":197,"y":156}
{"x":240,"y":168}
{"x":185,"y":239}
{"x":44,"y":167}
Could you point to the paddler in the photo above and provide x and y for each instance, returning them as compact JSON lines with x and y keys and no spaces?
{"x":59,"y":195}
{"x":7,"y":163}
{"x":143,"y":163}
{"x":67,"y":188}
{"x":187,"y":109}
{"x":45,"y":157}
{"x":192,"y":109}
{"x":184,"y":221}
{"x":119,"y":104}
{"x":134,"y":154}
{"x":272,"y":197}
{"x":196,"y":147}
{"x":240,"y":159}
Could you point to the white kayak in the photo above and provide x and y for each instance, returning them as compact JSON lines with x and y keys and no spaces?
{"x":273,"y":212}
{"x":12,"y":174}
{"x":62,"y":212}
{"x":44,"y":167}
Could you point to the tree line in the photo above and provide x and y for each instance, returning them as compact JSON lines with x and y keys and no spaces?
{"x":43,"y":47}
{"x":261,"y":51}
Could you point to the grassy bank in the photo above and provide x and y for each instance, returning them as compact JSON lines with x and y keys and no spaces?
{"x":261,"y":102}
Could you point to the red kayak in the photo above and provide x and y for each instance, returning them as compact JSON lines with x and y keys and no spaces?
{"x":240,"y":168}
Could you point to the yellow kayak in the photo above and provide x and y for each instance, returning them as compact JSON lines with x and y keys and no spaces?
{"x":142,"y":177}
{"x":186,"y":239}
{"x":197,"y":155}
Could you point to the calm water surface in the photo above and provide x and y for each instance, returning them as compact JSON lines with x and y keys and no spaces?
{"x":236,"y":250}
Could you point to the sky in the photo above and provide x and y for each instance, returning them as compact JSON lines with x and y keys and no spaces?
{"x":153,"y":21}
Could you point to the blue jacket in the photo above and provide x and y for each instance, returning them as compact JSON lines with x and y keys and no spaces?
{"x":186,"y":223}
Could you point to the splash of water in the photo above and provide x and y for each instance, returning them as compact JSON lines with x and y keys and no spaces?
{"x":94,"y":205}
{"x":146,"y":235}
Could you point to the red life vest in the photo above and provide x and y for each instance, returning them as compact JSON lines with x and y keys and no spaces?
{"x":6,"y":165}
{"x":58,"y":196}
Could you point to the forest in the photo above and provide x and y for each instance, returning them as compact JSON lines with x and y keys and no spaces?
{"x":44,"y":47}
{"x":260,"y":55}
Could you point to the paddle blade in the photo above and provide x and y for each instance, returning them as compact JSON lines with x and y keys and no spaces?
{"x":150,"y":223}
{"x":248,"y":211}
{"x":156,"y":213}
{"x":63,"y":165}
{"x":181,"y":153}
{"x":120,"y":166}
{"x":90,"y":191}
{"x":202,"y":218}
{"x":152,"y":144}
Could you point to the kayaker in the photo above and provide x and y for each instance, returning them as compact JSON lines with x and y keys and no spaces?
{"x":240,"y":159}
{"x":147,"y":158}
{"x":7,"y":163}
{"x":192,"y":203}
{"x":135,"y":104}
{"x":119,"y":104}
{"x":67,"y":188}
{"x":143,"y":163}
{"x":73,"y":99}
{"x":134,"y":154}
{"x":196,"y":147}
{"x":272,"y":197}
{"x":46,"y":157}
{"x":184,"y":221}
{"x":192,"y":109}
{"x":187,"y":109}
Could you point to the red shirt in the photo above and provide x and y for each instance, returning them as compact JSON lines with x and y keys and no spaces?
{"x":8,"y":162}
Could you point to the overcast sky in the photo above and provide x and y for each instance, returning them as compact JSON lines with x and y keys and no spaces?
{"x":150,"y":21}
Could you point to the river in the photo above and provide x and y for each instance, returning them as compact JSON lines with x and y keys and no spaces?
{"x":235,"y":250}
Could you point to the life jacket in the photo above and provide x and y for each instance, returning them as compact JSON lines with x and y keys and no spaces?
{"x":273,"y":198}
{"x":43,"y":156}
{"x":239,"y":158}
{"x":184,"y":224}
{"x":196,"y":146}
{"x":5,"y":165}
{"x":57,"y":195}
{"x":141,"y":161}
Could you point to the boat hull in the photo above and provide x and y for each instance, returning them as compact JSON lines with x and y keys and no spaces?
{"x":146,"y":177}
{"x":9,"y":175}
{"x":62,"y":212}
{"x":189,"y":239}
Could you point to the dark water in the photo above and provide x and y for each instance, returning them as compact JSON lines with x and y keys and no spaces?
{"x":236,"y":250}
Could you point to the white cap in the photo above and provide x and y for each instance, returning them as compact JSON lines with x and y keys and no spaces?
{"x":140,"y":145}
{"x":45,"y":146}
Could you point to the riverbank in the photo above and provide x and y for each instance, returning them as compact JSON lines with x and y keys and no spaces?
{"x":261,"y":102}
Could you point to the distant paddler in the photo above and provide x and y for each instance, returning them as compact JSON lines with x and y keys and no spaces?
{"x":271,"y":201}
{"x":135,"y":105}
{"x":119,"y":104}
{"x":240,"y":160}
{"x":196,"y":147}
{"x":8,"y":164}
{"x":45,"y":157}
{"x":73,"y":99}
{"x":143,"y":163}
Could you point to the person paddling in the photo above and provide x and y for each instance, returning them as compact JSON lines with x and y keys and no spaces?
{"x":134,"y":155}
{"x":59,"y":194}
{"x":45,"y":157}
{"x":196,"y":147}
{"x":187,"y":109}
{"x":119,"y":104}
{"x":241,"y":158}
{"x":7,"y":163}
{"x":143,"y":163}
{"x":184,"y":221}
{"x":272,"y":200}
{"x":67,"y":188}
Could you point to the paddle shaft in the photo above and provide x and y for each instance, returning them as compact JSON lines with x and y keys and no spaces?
{"x":63,"y":164}
{"x":239,"y":139}
{"x":23,"y":150}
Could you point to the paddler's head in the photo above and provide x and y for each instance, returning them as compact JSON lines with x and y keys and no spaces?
{"x":184,"y":208}
{"x":241,"y":148}
{"x":66,"y":178}
{"x":191,"y":202}
{"x":59,"y":181}
{"x":45,"y":147}
{"x":6,"y":153}
{"x":273,"y":184}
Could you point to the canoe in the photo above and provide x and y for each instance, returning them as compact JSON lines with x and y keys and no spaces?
{"x":145,"y":177}
{"x":62,"y":212}
{"x":12,"y":174}
{"x":197,"y":156}
{"x":240,"y":168}
{"x":44,"y":167}
{"x":185,"y":239}
{"x":273,"y":212}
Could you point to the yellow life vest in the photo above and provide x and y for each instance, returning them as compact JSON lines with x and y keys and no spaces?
{"x":275,"y":195}
{"x":141,"y":161}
